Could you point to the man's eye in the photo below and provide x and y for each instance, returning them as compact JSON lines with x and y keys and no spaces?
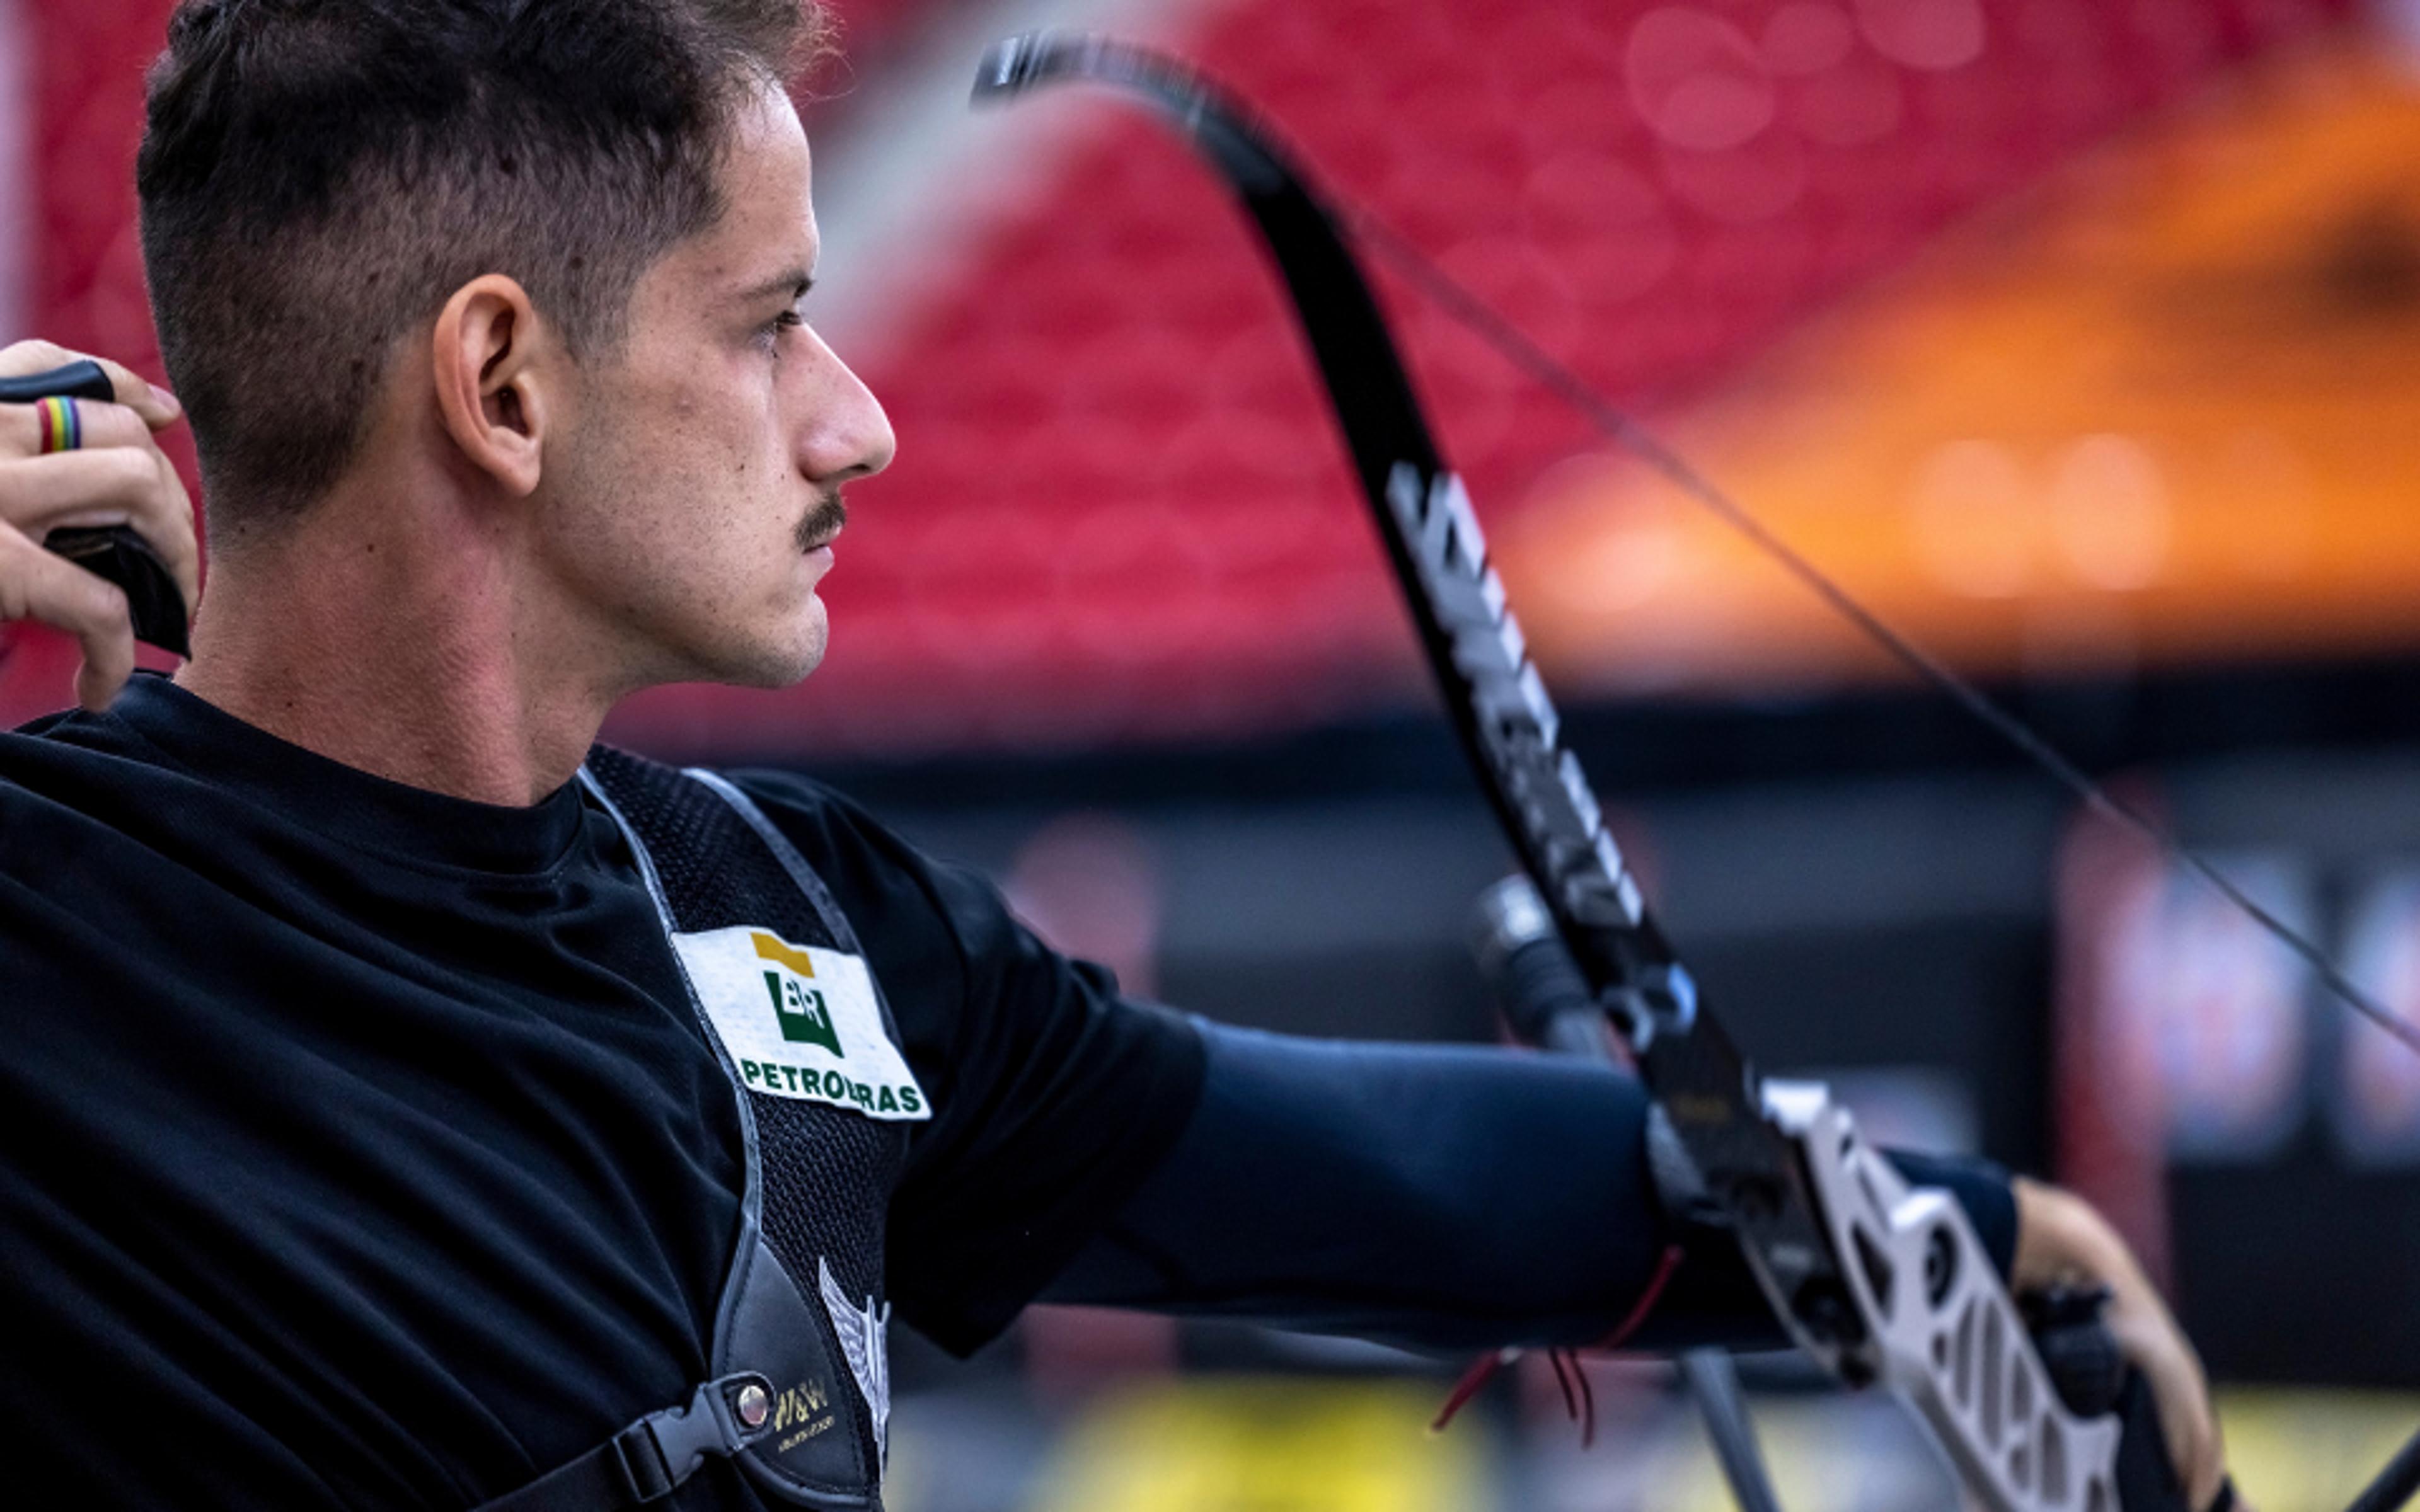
{"x":770,"y":332}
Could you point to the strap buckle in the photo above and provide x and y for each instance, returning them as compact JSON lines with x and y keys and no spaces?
{"x":663,"y":1449}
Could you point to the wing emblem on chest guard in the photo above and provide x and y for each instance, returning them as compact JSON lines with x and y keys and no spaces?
{"x":865,"y":1334}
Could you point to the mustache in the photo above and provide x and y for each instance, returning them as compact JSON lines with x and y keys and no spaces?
{"x":823,"y":521}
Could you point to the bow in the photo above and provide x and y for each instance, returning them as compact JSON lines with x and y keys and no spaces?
{"x":1878,"y":1282}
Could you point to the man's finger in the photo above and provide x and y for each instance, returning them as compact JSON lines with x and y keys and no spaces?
{"x":35,"y":585}
{"x":19,"y":358}
{"x":100,"y":425}
{"x":157,"y":405}
{"x":108,"y":485}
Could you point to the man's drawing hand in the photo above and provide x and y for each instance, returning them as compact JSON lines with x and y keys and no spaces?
{"x":117,"y":476}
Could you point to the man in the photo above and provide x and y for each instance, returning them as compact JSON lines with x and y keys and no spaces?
{"x":374,"y":1139}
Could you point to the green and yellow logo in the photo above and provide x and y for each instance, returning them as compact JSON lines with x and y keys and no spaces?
{"x":798,"y":1007}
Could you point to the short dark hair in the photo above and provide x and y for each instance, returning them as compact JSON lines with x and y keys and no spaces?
{"x":318,"y":176}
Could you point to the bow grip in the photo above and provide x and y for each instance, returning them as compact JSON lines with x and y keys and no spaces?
{"x":2093,"y":1377}
{"x":116,"y":552}
{"x":2076,"y":1347}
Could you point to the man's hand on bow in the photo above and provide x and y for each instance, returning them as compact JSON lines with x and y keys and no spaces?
{"x":2062,"y":1242}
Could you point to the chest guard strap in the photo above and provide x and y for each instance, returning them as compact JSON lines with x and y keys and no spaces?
{"x":645,"y":1460}
{"x":800,"y":1394}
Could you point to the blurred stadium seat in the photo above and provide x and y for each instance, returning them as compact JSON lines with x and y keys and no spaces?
{"x":1117,"y":490}
{"x":1118,"y":509}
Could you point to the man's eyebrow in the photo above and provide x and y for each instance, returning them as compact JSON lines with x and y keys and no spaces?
{"x":794,"y":282}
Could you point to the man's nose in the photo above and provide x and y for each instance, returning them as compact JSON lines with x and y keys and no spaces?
{"x":849,"y":436}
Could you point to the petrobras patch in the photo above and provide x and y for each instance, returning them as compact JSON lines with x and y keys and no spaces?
{"x":800,"y":1022}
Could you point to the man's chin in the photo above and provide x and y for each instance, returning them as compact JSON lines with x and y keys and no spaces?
{"x":759,"y":661}
{"x":783,"y":665}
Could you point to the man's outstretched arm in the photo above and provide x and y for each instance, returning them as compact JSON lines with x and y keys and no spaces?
{"x":1442,"y":1196}
{"x":1090,"y":1149}
{"x":1465,"y":1198}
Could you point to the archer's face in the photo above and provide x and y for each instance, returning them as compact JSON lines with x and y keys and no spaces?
{"x":704,"y":459}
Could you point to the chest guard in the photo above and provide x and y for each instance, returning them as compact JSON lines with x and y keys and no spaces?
{"x":800,"y":1396}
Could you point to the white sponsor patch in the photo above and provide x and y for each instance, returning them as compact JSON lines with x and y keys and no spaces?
{"x":800,"y":1021}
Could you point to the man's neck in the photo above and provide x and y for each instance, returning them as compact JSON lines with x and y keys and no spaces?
{"x":399,"y":651}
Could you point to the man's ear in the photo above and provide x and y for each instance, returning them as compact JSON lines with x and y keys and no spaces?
{"x":496,"y":367}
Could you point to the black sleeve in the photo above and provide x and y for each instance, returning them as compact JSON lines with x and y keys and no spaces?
{"x":1442,"y":1196}
{"x":1053,"y":1097}
{"x":1447,"y":1197}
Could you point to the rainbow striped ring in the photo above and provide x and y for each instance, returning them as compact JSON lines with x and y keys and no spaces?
{"x":62,"y":426}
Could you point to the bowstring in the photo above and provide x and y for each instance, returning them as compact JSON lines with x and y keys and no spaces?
{"x":1542,"y":368}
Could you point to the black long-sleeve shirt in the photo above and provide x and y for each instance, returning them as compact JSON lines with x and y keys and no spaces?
{"x":360,"y":1146}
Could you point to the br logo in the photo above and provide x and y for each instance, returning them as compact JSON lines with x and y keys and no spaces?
{"x":798,"y":1007}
